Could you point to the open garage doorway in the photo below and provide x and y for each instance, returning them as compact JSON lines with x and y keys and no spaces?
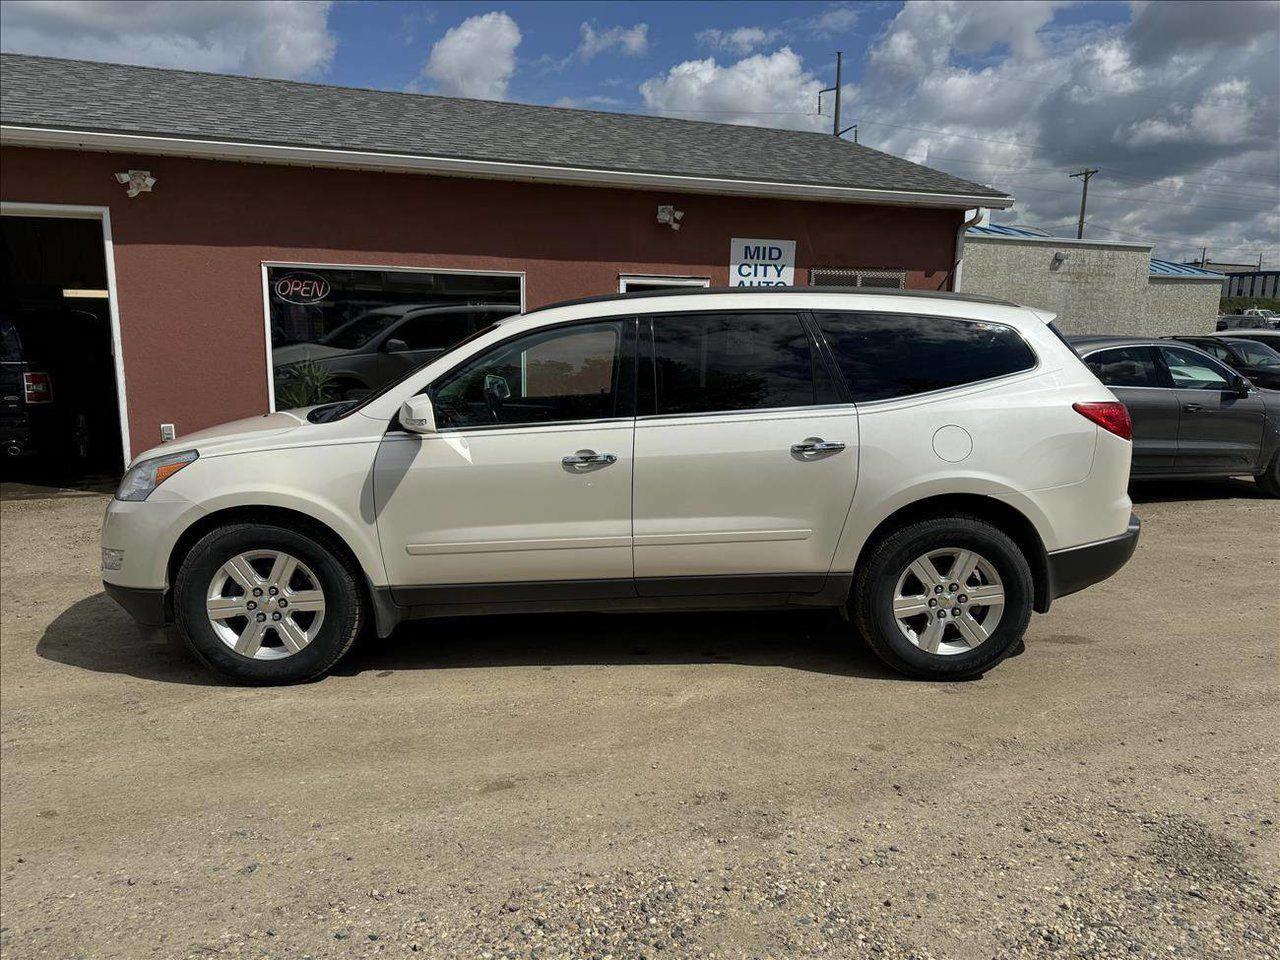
{"x":60,"y":411}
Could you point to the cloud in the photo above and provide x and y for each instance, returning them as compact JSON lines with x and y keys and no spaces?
{"x":772,"y":90}
{"x":476,"y":58}
{"x":632,"y":41}
{"x":593,"y":102}
{"x":740,"y":40}
{"x":1179,"y":108}
{"x":923,"y":36}
{"x":836,"y":19}
{"x":277,"y":39}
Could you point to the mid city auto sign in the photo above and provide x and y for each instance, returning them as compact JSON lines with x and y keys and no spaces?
{"x":762,"y":263}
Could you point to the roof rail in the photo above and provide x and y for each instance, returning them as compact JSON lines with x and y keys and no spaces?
{"x":851,"y":291}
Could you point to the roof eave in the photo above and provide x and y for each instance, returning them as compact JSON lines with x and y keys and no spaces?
{"x":56,"y":138}
{"x":1055,"y":241}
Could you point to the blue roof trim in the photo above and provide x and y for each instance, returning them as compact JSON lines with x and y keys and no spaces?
{"x":1167,"y":268}
{"x":1000,"y":230}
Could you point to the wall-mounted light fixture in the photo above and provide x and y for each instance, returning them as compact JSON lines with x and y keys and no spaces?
{"x":136,"y":181}
{"x":670,"y":216}
{"x":1059,"y":258}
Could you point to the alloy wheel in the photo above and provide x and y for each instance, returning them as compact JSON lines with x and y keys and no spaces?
{"x":948,"y":601}
{"x":265,"y":604}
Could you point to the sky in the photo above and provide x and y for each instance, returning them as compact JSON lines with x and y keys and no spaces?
{"x":1177,"y":103}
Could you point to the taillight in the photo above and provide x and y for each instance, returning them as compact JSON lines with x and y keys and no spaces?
{"x":1112,"y":416}
{"x":37,"y":387}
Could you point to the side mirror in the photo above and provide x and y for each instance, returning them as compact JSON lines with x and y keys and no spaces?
{"x":395,"y":345}
{"x":1240,"y":386}
{"x":495,"y":387}
{"x":417,"y":415}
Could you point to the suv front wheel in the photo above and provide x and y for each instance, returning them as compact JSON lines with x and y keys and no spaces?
{"x":943,"y":598}
{"x":266,"y":604}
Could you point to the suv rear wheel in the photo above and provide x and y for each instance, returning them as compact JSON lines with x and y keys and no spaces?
{"x":943,"y":598}
{"x":265,"y":604}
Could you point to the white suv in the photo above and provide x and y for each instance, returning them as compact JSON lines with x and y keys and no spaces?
{"x":938,"y":465}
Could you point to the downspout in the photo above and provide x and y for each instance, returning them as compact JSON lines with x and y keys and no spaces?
{"x":955,"y":271}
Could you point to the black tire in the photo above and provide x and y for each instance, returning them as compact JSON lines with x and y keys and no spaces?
{"x":338,"y":578}
{"x":877,"y":579}
{"x":1269,"y":480}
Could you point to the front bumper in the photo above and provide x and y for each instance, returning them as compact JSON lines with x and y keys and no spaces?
{"x":147,"y":606}
{"x":1073,"y":570}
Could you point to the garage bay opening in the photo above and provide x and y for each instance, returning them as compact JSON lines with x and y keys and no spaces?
{"x":59,"y":407}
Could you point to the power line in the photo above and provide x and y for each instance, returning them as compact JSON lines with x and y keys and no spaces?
{"x":1143,"y":200}
{"x":1110,"y":175}
{"x":1010,"y":143}
{"x":1182,"y":240}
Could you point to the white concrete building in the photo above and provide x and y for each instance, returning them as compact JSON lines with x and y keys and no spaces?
{"x":1094,"y":286}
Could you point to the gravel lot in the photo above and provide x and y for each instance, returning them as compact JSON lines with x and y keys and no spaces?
{"x":654,"y":786}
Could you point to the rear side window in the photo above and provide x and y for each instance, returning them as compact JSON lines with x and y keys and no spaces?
{"x":1126,"y":367}
{"x":716,"y":362}
{"x":889,"y":355}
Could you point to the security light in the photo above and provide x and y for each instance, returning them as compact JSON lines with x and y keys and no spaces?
{"x":137,"y":181}
{"x":670,"y":216}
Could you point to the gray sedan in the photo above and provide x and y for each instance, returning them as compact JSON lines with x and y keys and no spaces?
{"x":1192,"y":415}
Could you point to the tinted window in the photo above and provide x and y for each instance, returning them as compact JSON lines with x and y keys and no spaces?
{"x":572,"y":373}
{"x":1215,"y":349}
{"x":731,"y":361}
{"x":1256,"y":355}
{"x":10,"y":345}
{"x":897,"y":355}
{"x":1194,"y":371}
{"x":433,"y":331}
{"x":1126,"y":367}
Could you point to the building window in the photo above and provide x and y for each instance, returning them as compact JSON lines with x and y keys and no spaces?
{"x":638,"y":284}
{"x":841,"y":277}
{"x":338,"y":333}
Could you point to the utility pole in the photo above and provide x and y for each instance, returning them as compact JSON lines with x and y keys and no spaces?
{"x":836,"y":130}
{"x":1204,"y":256}
{"x":1085,"y":175}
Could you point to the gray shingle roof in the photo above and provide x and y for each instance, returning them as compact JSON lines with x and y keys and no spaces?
{"x":101,"y":97}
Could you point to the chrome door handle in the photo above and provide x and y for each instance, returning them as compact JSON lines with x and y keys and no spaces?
{"x":815,"y":445}
{"x":589,"y":458}
{"x":1192,"y":407}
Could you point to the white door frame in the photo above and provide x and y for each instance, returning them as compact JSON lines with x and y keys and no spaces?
{"x":398,"y":268}
{"x":69,"y":211}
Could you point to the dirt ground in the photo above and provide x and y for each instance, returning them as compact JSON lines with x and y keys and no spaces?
{"x":654,"y":786}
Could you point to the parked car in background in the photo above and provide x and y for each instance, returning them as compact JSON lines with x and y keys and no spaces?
{"x":1193,"y":416}
{"x":381,"y":345}
{"x":1270,"y":338}
{"x":57,"y":392}
{"x":26,"y":392}
{"x":1254,"y":360}
{"x":938,"y":465}
{"x":1253,"y":318}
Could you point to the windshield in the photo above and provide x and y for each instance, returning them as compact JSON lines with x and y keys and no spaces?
{"x":336,"y":411}
{"x":360,"y":330}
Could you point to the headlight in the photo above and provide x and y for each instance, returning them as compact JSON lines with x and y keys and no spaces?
{"x":149,"y":474}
